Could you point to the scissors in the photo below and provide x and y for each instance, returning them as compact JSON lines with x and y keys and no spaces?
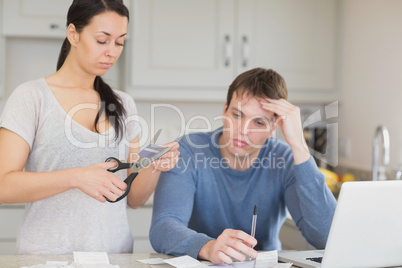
{"x":141,"y":163}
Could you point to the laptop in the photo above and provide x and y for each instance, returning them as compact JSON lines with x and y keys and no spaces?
{"x":366,"y":230}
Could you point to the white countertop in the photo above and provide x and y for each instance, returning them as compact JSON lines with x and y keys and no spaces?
{"x":123,"y":260}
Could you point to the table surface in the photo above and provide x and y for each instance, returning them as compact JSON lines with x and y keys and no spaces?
{"x":123,"y":260}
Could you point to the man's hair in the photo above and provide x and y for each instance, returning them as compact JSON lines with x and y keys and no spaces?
{"x":258,"y":82}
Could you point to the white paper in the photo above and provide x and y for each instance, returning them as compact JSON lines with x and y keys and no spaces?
{"x":184,"y":262}
{"x":283,"y":265}
{"x":267,"y":259}
{"x":153,"y":261}
{"x":91,"y":258}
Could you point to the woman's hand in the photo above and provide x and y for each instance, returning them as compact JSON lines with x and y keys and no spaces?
{"x":229,"y":245}
{"x":168,"y":160}
{"x":99,"y":183}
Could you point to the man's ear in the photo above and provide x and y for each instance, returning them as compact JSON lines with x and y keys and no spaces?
{"x":225,"y":108}
{"x":72,"y":35}
{"x":224,"y":118}
{"x":274,"y":127}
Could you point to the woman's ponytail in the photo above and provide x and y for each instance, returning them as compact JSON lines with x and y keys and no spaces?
{"x":111,"y":105}
{"x":65,"y":48}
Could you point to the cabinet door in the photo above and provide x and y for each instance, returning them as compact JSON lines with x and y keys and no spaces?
{"x":140,"y":223}
{"x":182,"y":44}
{"x":36,"y":18}
{"x":11,"y":219}
{"x":41,"y":18}
{"x":295,"y":38}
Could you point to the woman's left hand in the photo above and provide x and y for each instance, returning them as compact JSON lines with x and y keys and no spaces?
{"x":168,"y":160}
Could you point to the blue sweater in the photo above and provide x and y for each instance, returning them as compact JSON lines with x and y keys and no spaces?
{"x":202,"y":196}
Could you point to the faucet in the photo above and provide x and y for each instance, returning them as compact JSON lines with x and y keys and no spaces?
{"x":398,"y":174}
{"x":379,"y":171}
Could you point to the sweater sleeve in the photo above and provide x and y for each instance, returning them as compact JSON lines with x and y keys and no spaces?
{"x":173,"y":205}
{"x":310,"y":202}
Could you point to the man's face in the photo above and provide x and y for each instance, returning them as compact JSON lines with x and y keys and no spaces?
{"x":246,"y":127}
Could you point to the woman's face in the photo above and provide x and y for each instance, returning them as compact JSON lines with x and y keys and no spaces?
{"x":100,"y":43}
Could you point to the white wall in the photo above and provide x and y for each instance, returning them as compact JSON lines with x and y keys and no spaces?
{"x":371,"y":78}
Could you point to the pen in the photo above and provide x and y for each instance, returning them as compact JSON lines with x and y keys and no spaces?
{"x":254,"y":223}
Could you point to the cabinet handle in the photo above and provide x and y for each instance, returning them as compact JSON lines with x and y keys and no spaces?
{"x":246,"y":51}
{"x":228,"y":51}
{"x":53,"y":26}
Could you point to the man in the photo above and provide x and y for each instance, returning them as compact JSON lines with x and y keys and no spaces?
{"x":204,"y":206}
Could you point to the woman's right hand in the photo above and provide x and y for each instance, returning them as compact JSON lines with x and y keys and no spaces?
{"x":99,"y":183}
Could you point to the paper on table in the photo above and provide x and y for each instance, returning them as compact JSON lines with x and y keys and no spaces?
{"x":267,"y":258}
{"x":185,"y":262}
{"x":283,"y":265}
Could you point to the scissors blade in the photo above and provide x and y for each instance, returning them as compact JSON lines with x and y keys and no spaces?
{"x":145,"y":161}
{"x":158,"y":155}
{"x":156,"y":136}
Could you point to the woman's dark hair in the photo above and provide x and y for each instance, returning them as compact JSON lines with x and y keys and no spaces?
{"x":80,"y":14}
{"x":258,"y":82}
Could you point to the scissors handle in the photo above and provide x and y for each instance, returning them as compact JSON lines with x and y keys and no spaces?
{"x":129,"y":180}
{"x":120,"y":165}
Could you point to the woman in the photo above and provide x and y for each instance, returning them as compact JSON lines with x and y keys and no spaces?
{"x":61,"y":128}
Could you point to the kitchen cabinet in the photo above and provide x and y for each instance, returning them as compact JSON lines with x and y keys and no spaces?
{"x":193,"y":49}
{"x":35,"y":18}
{"x":140,"y":223}
{"x":11,"y":218}
{"x":38,"y":18}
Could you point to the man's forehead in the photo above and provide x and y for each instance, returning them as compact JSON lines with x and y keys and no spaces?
{"x":255,"y":110}
{"x":242,"y":97}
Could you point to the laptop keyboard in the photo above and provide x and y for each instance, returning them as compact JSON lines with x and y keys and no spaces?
{"x":316,"y":259}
